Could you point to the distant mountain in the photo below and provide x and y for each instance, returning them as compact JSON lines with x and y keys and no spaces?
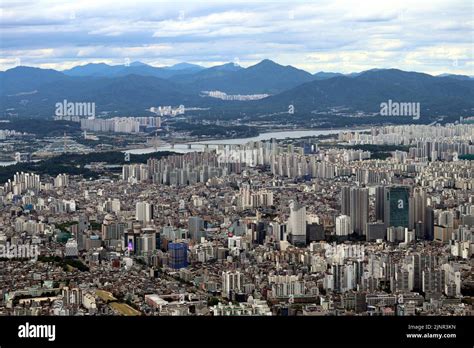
{"x":325,"y":75}
{"x":365,"y":92}
{"x":137,"y":63}
{"x":144,"y":70}
{"x":353,"y":74}
{"x":134,"y":68}
{"x":208,"y":77}
{"x":135,"y":92}
{"x":130,"y":94}
{"x":185,"y":66}
{"x":264,"y":77}
{"x":133,"y":89}
{"x":93,"y":69}
{"x":458,"y":77}
{"x":270,"y":77}
{"x":23,"y":79}
{"x":227,"y":67}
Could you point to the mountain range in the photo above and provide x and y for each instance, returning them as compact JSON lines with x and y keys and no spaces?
{"x":133,"y":88}
{"x":135,"y":68}
{"x":365,"y":92}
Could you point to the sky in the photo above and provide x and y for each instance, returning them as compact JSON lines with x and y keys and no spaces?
{"x":339,"y":35}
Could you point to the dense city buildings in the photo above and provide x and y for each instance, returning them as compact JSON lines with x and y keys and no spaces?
{"x":121,"y":124}
{"x":280,"y":227}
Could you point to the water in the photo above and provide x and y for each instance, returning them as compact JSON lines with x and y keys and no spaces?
{"x":276,"y":135}
{"x":8,"y":163}
{"x":200,"y":145}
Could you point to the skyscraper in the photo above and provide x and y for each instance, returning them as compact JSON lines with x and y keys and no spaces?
{"x":196,"y":228}
{"x":429,"y":223}
{"x":345,"y":200}
{"x":343,"y":225}
{"x":144,"y":212}
{"x":379,"y":203}
{"x":337,"y":272}
{"x":396,"y":206}
{"x":178,"y":255}
{"x":297,"y":223}
{"x":231,"y":282}
{"x":359,"y":209}
{"x":446,"y":219}
{"x":419,"y":204}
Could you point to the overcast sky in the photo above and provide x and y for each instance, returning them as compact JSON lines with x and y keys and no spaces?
{"x":344,"y":36}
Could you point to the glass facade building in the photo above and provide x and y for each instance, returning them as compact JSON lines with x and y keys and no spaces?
{"x":178,"y":255}
{"x":397,"y":206}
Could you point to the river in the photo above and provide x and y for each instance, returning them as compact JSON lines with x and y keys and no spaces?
{"x":7,"y":163}
{"x":199,"y":145}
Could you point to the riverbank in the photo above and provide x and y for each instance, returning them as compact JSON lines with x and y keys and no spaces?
{"x":212,"y":143}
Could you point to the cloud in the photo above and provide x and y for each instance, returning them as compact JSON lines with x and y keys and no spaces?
{"x":340,"y":35}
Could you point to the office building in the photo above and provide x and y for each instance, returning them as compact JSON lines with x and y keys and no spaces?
{"x":359,"y":209}
{"x":178,"y":255}
{"x":396,"y":206}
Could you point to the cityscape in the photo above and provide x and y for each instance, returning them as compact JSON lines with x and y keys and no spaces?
{"x":307,"y":226}
{"x":237,"y":160}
